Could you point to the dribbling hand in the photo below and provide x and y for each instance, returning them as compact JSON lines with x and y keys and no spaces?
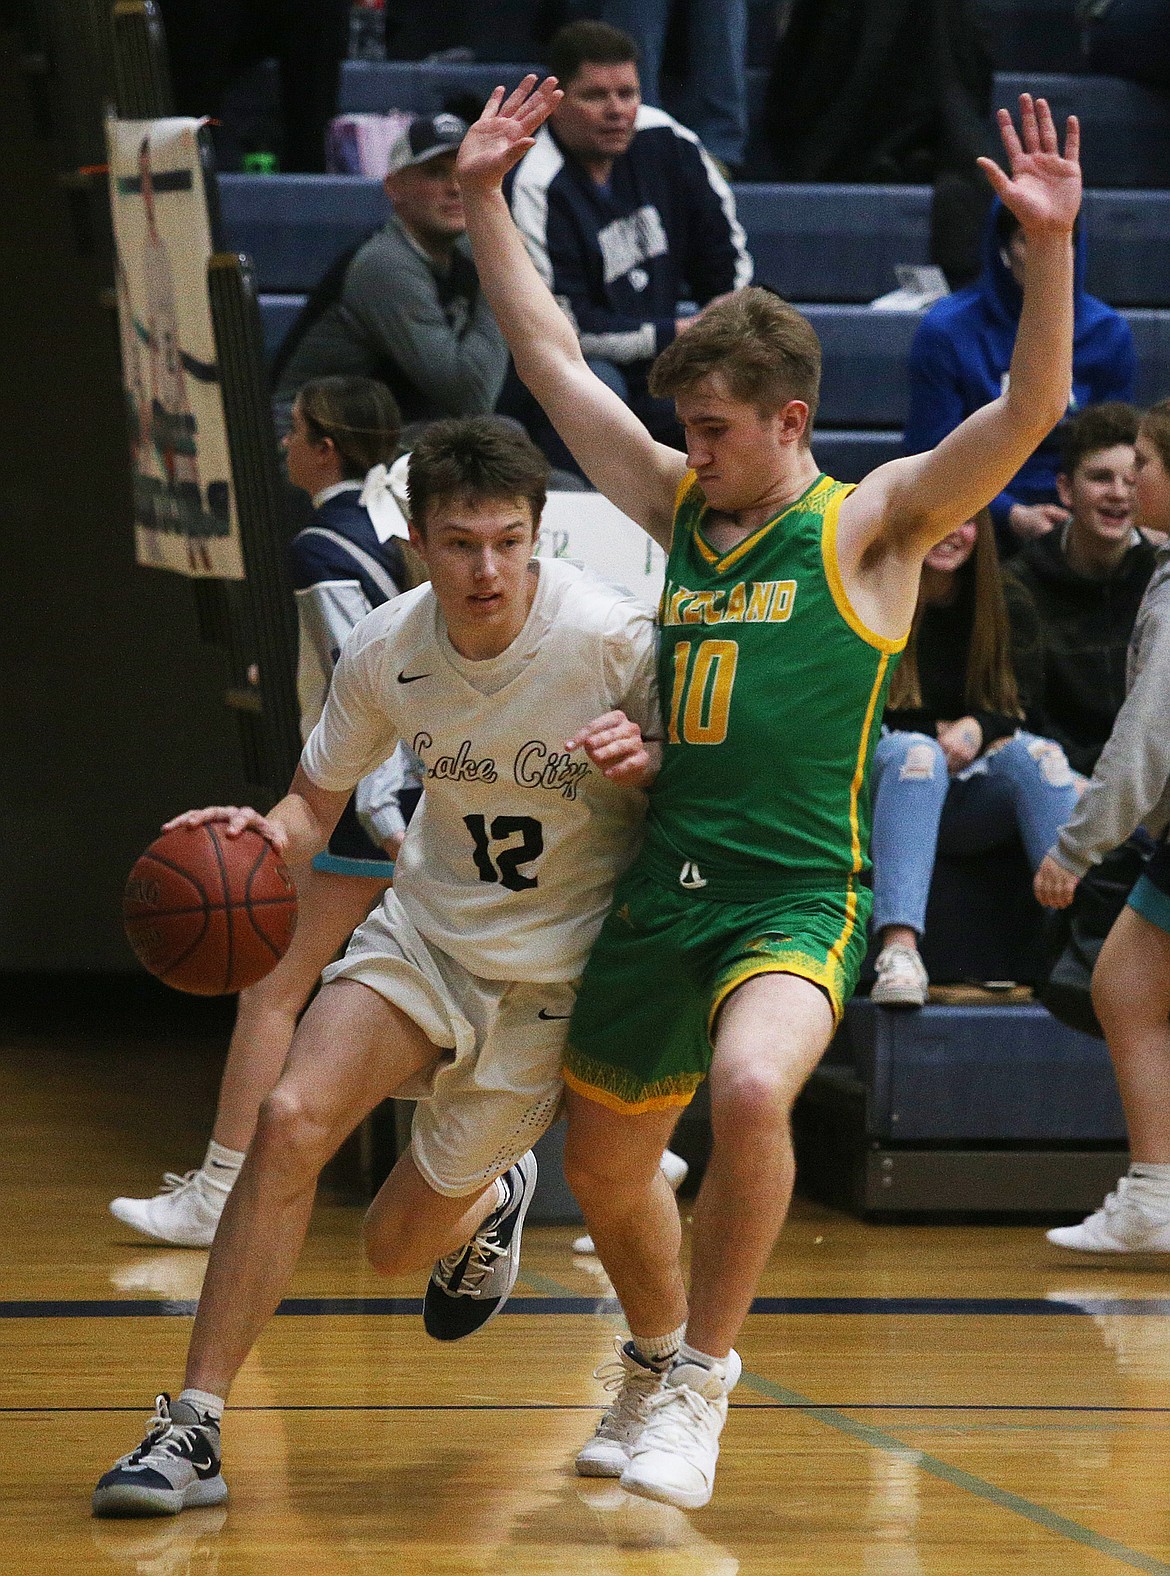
{"x":504,"y":132}
{"x":235,"y":819}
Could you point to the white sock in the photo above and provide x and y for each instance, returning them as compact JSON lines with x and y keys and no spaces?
{"x":221,"y":1166}
{"x":691,"y":1354}
{"x":1155,"y":1178}
{"x":659,"y":1351}
{"x":203,"y":1401}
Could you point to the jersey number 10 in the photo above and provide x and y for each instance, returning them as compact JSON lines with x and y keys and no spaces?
{"x":701,"y":694}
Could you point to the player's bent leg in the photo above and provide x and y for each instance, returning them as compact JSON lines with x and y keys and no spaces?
{"x":1131,"y":996}
{"x":187,"y":1211}
{"x":410,"y":1224}
{"x":771,"y":1032}
{"x":351,"y":1050}
{"x":613,"y":1165}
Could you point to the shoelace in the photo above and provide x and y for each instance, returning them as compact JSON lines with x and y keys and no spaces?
{"x":164,"y":1436}
{"x":677,"y":1416}
{"x":633,"y":1389}
{"x":174,"y":1183}
{"x":481,"y":1256}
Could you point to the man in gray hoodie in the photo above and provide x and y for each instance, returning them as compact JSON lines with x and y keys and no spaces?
{"x":406,"y":307}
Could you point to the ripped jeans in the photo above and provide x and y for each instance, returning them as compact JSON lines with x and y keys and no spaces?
{"x":1024,"y":786}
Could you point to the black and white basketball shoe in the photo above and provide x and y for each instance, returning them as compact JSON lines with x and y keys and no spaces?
{"x":470,"y":1286}
{"x":175,"y":1466}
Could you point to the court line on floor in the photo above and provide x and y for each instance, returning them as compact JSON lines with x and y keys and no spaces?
{"x":582,"y":1406}
{"x":933,"y":1466}
{"x":562,"y":1301}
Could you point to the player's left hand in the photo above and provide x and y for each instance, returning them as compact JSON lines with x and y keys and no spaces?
{"x":1054,"y":886}
{"x":616,"y":747}
{"x":1044,"y":187}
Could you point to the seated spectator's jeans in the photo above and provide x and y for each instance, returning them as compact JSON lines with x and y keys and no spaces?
{"x":1026,"y":786}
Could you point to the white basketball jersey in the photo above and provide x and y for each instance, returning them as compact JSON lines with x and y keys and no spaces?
{"x":510,"y":860}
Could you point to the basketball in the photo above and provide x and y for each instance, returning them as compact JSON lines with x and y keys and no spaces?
{"x":209,"y":914}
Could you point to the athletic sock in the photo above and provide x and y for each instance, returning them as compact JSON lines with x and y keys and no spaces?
{"x":1154,"y":1179}
{"x":658,"y":1351}
{"x":691,"y":1354}
{"x":204,"y":1402}
{"x":221,"y":1166}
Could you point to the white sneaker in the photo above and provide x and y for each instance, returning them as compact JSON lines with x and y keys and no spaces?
{"x":673,"y":1458}
{"x":633,"y":1381}
{"x":673,"y":1167}
{"x":1129,"y":1221}
{"x":902,"y":980}
{"x":185,"y":1213}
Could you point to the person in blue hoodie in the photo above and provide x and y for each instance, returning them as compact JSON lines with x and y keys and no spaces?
{"x":959,"y":362}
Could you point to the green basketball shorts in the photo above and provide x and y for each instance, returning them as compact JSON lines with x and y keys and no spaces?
{"x":666,"y":961}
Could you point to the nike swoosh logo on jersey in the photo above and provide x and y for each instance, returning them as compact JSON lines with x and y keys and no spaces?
{"x":413,"y":678}
{"x":553,"y":1017}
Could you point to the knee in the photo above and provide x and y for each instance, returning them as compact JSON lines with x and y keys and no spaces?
{"x":290,"y":1138}
{"x":1042,"y":761}
{"x":383,"y":1246}
{"x":913,"y":757}
{"x":755,"y":1106}
{"x":598,"y":1180}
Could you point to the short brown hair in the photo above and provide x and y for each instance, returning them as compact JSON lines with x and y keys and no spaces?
{"x":359,"y":415}
{"x":766,"y":352}
{"x":1095,"y":428}
{"x":474,"y":458}
{"x":1155,"y":425}
{"x":588,"y":43}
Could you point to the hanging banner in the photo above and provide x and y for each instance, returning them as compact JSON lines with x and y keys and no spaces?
{"x":184,"y":510}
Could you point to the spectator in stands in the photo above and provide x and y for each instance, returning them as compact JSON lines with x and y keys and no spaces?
{"x":406,"y":308}
{"x":1127,"y":38}
{"x":959,"y":362}
{"x":1087,"y":579}
{"x":716,"y":55}
{"x":626,"y":217}
{"x":348,"y":560}
{"x":953,"y":768}
{"x":1130,"y":787}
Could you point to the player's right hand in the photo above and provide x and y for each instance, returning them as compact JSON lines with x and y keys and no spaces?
{"x":504,"y":132}
{"x":235,"y":819}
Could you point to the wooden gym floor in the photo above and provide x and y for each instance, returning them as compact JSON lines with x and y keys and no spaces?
{"x":915,"y":1401}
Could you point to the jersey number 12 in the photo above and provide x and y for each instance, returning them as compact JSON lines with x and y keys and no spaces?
{"x":506,"y":866}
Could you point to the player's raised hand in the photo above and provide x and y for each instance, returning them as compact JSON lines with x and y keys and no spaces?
{"x":1043,"y":188}
{"x":234,"y":820}
{"x":504,"y":132}
{"x":616,"y":747}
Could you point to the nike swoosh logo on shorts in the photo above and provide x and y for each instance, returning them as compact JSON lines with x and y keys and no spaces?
{"x":413,"y":679}
{"x":553,"y":1017}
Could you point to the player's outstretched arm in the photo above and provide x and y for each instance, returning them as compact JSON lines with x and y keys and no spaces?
{"x":299,"y":827}
{"x":614,"y":743}
{"x":914,"y":502}
{"x":613,"y":447}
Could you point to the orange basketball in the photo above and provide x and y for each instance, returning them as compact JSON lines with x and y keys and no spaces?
{"x":209,"y":914}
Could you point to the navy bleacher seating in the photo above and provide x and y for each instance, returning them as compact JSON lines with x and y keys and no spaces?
{"x":812,"y":243}
{"x":1032,"y":35}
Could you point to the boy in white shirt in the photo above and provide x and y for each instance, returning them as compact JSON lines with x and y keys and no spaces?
{"x":511,"y":680}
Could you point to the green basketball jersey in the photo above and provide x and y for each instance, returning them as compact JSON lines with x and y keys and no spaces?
{"x":772,"y":697}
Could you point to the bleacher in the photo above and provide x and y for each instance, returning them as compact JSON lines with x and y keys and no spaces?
{"x":1037,"y":1124}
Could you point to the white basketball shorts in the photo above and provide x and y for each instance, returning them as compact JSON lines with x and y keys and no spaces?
{"x":497,"y":1086}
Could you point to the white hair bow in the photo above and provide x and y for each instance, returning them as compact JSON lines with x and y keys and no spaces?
{"x":378,"y":498}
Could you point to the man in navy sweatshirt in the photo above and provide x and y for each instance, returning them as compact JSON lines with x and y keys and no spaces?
{"x":626,"y":216}
{"x":959,"y":362}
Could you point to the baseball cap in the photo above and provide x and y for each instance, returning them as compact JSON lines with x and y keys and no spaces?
{"x":425,"y":138}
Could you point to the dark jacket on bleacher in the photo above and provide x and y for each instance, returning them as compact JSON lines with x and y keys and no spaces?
{"x":621,"y":257}
{"x":944,"y":638}
{"x":1086,"y":625}
{"x":962,"y":350}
